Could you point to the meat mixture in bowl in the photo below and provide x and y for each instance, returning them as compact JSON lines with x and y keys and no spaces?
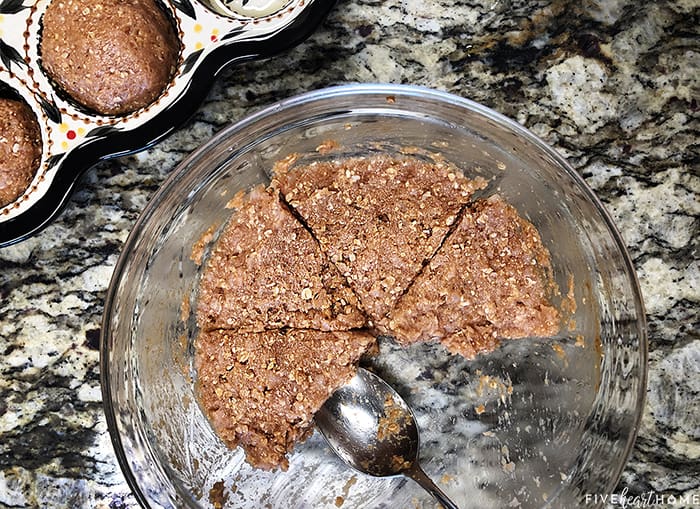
{"x":308,"y":271}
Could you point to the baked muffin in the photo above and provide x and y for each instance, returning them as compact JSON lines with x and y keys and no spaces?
{"x":111,"y":56}
{"x":20,"y":149}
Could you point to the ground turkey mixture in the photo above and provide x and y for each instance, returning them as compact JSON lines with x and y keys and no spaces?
{"x":308,"y":271}
{"x":111,"y":56}
{"x":488,"y":281}
{"x":266,"y":271}
{"x":379,"y":219}
{"x":20,"y":149}
{"x":261,"y":390}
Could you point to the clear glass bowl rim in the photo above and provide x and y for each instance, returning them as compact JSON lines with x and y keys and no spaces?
{"x":353,"y":90}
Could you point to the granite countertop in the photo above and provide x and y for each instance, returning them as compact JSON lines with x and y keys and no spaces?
{"x":611,"y":84}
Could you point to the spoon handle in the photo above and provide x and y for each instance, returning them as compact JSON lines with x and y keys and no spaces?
{"x":416,"y":473}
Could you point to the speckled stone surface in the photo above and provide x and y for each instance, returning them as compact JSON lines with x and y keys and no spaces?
{"x":612,"y":84}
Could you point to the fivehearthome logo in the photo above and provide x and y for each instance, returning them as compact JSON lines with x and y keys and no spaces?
{"x":648,"y":499}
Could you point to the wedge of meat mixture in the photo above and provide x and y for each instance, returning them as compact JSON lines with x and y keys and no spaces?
{"x":491,"y":279}
{"x":267,"y":272}
{"x":379,"y":218}
{"x":262,"y":389}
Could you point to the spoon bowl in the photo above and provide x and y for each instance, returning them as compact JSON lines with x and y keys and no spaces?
{"x":370,"y":427}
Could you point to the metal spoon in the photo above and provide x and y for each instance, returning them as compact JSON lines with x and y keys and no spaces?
{"x":369,"y":425}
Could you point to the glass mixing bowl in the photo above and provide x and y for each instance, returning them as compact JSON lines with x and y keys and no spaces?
{"x":539,"y":422}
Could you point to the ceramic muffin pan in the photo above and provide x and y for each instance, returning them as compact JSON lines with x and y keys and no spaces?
{"x":212,"y":34}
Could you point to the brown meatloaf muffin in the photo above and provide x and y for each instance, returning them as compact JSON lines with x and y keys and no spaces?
{"x":261,"y":390}
{"x":491,"y":279}
{"x":20,"y":149}
{"x":379,"y":218}
{"x":267,"y":272}
{"x":111,"y":56}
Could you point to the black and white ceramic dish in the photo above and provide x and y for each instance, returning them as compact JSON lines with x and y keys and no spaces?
{"x":213,"y":34}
